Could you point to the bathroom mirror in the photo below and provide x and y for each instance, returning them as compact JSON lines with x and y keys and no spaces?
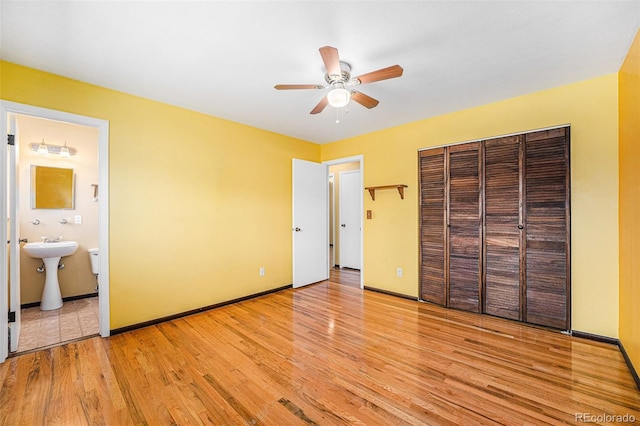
{"x":52,"y":188}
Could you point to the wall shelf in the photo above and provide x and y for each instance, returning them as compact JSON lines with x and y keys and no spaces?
{"x":372,"y":190}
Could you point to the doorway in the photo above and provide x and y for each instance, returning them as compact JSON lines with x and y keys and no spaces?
{"x":10,"y":282}
{"x":347,"y":192}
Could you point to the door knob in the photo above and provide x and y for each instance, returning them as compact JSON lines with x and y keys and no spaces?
{"x":520,"y":227}
{"x":297,"y":229}
{"x":343,"y":225}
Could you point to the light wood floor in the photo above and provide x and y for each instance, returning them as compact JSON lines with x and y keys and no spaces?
{"x":345,"y":276}
{"x":323,"y":354}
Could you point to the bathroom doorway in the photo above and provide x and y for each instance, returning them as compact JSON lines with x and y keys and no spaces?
{"x":87,"y":221}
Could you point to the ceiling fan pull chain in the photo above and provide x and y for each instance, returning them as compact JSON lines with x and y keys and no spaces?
{"x":337,"y":118}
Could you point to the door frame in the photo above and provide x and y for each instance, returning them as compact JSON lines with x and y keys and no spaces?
{"x":14,"y":233}
{"x":332,"y":219}
{"x":360,"y":160}
{"x":102,"y":126}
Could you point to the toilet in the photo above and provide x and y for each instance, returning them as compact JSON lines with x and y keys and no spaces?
{"x":94,"y":256}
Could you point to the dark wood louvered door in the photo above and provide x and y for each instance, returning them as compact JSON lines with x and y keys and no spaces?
{"x":503,"y":227}
{"x":546,"y":176}
{"x":501,"y":243}
{"x":432,"y":226}
{"x":464,"y":223}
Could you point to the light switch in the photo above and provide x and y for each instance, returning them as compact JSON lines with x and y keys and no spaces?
{"x":77,"y":219}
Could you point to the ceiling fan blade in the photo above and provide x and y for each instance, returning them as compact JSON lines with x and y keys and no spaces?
{"x":297,"y":86}
{"x":382,"y":74}
{"x":364,"y":100}
{"x":331,"y":60}
{"x":321,"y":105}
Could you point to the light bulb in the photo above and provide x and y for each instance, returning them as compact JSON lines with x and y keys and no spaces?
{"x":42,"y":148}
{"x":64,"y":151}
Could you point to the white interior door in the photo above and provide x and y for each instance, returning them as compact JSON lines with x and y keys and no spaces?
{"x":350,"y":219}
{"x":14,"y":236}
{"x":310,"y":222}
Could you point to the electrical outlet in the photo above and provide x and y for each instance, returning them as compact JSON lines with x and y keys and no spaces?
{"x":77,"y":219}
{"x":399,"y":272}
{"x":262,"y":272}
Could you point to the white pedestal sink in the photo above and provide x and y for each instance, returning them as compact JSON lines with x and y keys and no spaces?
{"x":51,"y":253}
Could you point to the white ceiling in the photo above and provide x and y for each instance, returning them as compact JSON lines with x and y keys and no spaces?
{"x":223,"y":58}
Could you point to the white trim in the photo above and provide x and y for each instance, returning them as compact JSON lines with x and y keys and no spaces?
{"x":14,"y":233}
{"x":352,"y":159}
{"x":103,"y":204}
{"x":4,"y":255}
{"x":496,"y":137}
{"x":359,"y":159}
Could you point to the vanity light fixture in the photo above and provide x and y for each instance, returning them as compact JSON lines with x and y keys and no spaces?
{"x":44,"y":149}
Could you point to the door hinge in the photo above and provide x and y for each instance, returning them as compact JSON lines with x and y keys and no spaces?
{"x":12,"y":316}
{"x":11,"y":140}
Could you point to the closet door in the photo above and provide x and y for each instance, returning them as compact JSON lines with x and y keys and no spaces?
{"x":503,"y":226}
{"x":465,"y":227}
{"x":546,"y":172}
{"x":432,"y":225}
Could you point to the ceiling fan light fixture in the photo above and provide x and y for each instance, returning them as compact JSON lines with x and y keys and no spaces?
{"x":339,"y":97}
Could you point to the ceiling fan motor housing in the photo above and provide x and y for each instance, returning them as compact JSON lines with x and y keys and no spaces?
{"x":344,"y":77}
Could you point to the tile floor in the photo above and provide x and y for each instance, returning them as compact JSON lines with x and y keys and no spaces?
{"x":76,"y":319}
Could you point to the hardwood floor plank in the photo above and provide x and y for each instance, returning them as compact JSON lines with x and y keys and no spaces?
{"x":321,"y":354}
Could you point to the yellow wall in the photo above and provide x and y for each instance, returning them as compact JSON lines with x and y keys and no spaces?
{"x":391,"y":238}
{"x":197,"y":204}
{"x":630,"y":203}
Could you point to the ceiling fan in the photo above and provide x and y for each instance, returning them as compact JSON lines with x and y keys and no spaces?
{"x":339,"y":80}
